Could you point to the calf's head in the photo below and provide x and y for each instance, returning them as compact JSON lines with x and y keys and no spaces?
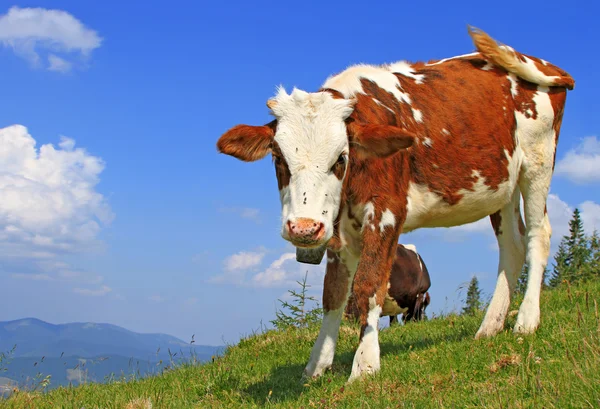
{"x":312,"y":141}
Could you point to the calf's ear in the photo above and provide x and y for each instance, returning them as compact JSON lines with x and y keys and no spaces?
{"x":378,"y":140}
{"x":246,"y":142}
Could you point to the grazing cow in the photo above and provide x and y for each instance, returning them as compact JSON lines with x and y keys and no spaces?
{"x":381,"y":150}
{"x":407,"y":287}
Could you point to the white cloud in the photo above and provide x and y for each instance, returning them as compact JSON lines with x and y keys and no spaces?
{"x":243,"y":260}
{"x":103,"y":290}
{"x":31,"y":32}
{"x":275,"y":274}
{"x":48,"y":204}
{"x":236,"y":266}
{"x":285,"y":271}
{"x":582,"y":164}
{"x":590,"y":215}
{"x":58,"y":64}
{"x":560,"y":214}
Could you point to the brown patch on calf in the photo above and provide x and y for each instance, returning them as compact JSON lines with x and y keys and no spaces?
{"x":477,"y":142}
{"x":524,"y":102}
{"x":496,"y":220}
{"x":335,"y":286}
{"x":378,"y":140}
{"x":247,"y":143}
{"x":282,"y":171}
{"x":557,"y":100}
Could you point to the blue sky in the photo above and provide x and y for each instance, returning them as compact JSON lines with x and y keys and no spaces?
{"x":132,"y":218}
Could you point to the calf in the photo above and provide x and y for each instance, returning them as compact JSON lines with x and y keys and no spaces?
{"x":407,"y":287}
{"x":381,"y":150}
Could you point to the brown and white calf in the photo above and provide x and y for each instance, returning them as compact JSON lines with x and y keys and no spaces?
{"x":407,"y":288}
{"x":379,"y":150}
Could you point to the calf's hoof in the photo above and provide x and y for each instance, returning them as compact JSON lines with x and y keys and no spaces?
{"x":528,"y":319}
{"x":311,"y":372}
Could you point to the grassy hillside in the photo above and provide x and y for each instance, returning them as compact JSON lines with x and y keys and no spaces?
{"x":434,"y":364}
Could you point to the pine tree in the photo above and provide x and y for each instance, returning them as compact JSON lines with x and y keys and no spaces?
{"x":300,"y":316}
{"x":577,"y":247}
{"x":473,"y":302}
{"x":559,"y":272}
{"x":573,"y":256}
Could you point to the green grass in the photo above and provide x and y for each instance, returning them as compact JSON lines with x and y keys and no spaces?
{"x":433,"y":364}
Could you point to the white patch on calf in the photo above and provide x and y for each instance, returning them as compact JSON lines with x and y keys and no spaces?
{"x":513,"y":84}
{"x":348,"y":82}
{"x":369,"y":215}
{"x":378,"y":102}
{"x":418,"y":115}
{"x":404,"y":68}
{"x":366,"y":359}
{"x":452,"y":58}
{"x":387,"y":219}
{"x":445,"y":131}
{"x":427,"y":142}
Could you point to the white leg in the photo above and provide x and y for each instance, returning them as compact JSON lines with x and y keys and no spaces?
{"x":366,"y":359}
{"x":508,"y":225}
{"x":538,"y":250}
{"x":321,"y":356}
{"x":323,"y":351}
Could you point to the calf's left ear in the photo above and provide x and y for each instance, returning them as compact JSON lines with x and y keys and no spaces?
{"x":378,"y":140}
{"x":247,"y":143}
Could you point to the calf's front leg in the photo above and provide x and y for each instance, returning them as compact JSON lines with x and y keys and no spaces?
{"x":336,"y":289}
{"x":370,"y":287}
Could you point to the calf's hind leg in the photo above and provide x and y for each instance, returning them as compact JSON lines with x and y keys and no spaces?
{"x":510,"y":231}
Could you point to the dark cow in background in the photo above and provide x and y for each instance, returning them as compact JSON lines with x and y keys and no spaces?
{"x":407,"y":288}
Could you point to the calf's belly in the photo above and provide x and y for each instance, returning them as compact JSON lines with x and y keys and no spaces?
{"x":429,"y":209}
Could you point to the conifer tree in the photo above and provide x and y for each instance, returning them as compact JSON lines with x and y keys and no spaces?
{"x":300,"y":314}
{"x":577,"y":248}
{"x":559,"y":272}
{"x":473,"y":301}
{"x":571,"y":262}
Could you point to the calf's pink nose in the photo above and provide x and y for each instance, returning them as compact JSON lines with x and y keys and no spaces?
{"x":305,"y":229}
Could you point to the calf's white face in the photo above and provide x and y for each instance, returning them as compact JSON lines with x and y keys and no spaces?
{"x":310,"y":143}
{"x":311,"y":151}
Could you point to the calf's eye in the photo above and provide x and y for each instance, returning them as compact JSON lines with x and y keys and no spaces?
{"x":341,"y":161}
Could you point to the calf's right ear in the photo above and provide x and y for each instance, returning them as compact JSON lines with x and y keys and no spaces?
{"x":247,"y":143}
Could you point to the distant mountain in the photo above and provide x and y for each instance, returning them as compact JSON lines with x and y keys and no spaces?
{"x":77,"y":352}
